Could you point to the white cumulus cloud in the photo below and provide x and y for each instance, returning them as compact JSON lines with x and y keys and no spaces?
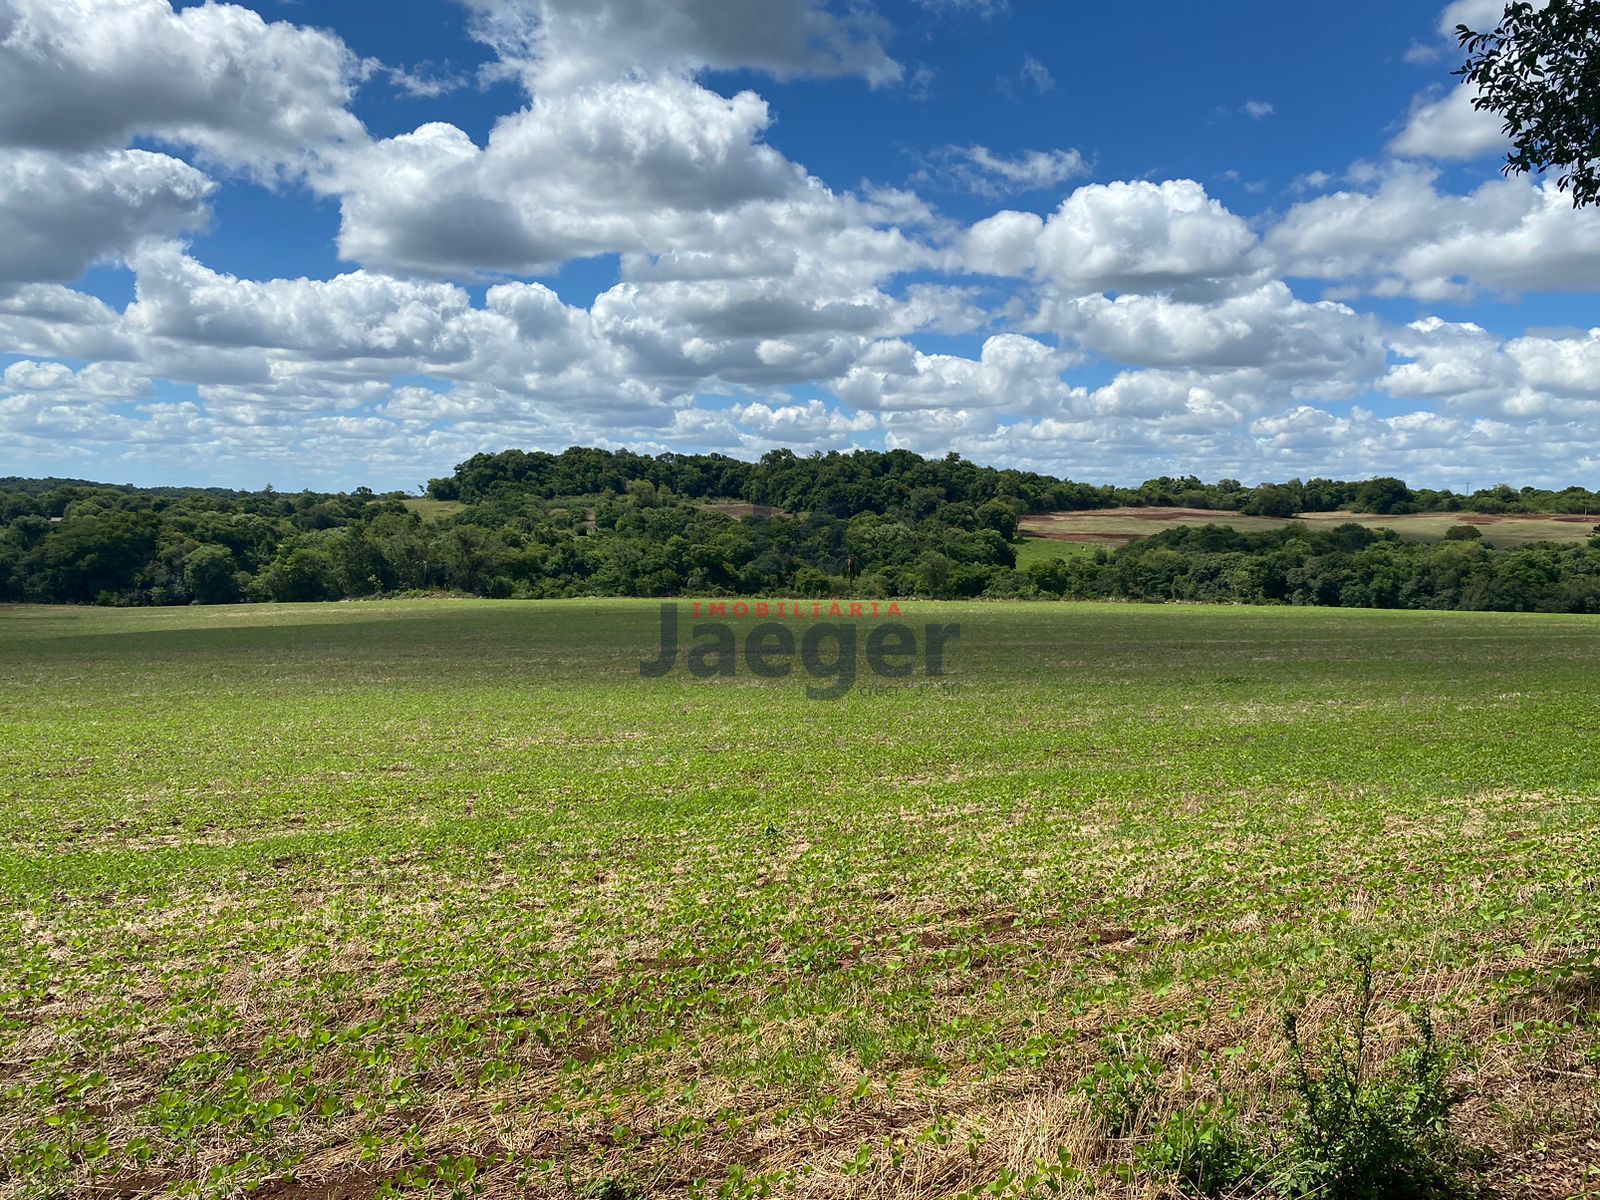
{"x":61,"y":213}
{"x":1118,"y":237}
{"x":558,"y":44}
{"x":86,"y":74}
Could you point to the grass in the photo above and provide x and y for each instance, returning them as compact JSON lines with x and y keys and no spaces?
{"x":440,"y":897}
{"x":1039,"y":549}
{"x":434,"y":510}
{"x":1119,"y":526}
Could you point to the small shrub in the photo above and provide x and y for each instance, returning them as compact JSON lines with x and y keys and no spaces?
{"x":1205,"y":1153}
{"x":1119,"y":1087}
{"x":1362,"y":1132}
{"x":612,"y":1188}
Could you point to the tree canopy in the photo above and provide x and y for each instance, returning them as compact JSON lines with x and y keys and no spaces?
{"x":1539,"y":70}
{"x":589,"y":522}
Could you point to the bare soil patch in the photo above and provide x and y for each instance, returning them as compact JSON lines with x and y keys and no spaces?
{"x":747,"y":510}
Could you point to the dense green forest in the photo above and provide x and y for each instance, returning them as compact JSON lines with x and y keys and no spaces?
{"x":594,"y":522}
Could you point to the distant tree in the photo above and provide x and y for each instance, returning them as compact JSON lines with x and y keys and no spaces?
{"x":999,"y":516}
{"x":14,"y":505}
{"x":1463,"y":533}
{"x":808,"y":581}
{"x":87,"y":556}
{"x":210,"y":572}
{"x":1385,"y":496}
{"x":1325,"y":495}
{"x":933,"y":571}
{"x":303,"y":574}
{"x":28,"y":531}
{"x":470,"y":556}
{"x":1271,"y":500}
{"x":1539,"y":70}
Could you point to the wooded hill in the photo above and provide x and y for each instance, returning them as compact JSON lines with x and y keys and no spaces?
{"x":596,"y":522}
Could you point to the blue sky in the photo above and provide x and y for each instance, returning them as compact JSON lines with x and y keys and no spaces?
{"x":317,"y":245}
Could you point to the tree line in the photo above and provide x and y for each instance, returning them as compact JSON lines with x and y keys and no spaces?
{"x":845,"y":484}
{"x":591,"y":522}
{"x":1348,"y":566}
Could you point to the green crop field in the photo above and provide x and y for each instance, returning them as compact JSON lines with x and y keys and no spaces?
{"x":1039,"y":549}
{"x":441,"y":897}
